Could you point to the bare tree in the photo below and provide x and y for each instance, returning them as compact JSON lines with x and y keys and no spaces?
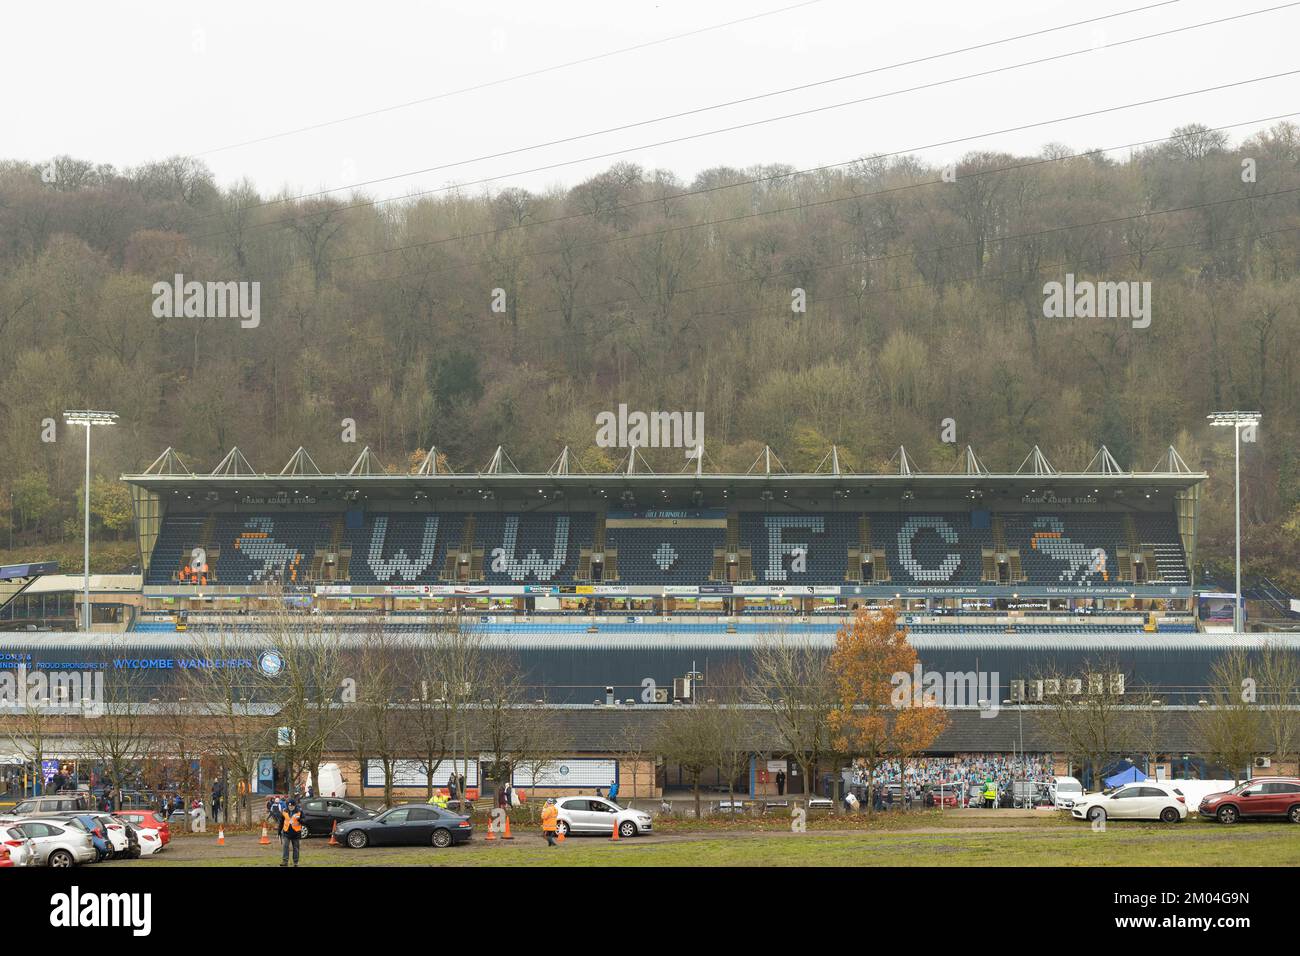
{"x":686,"y":737}
{"x":307,"y":689}
{"x":1231,"y":724}
{"x":791,"y":682}
{"x":1086,"y":713}
{"x":233,"y":722}
{"x":116,"y":734}
{"x":1279,"y":684}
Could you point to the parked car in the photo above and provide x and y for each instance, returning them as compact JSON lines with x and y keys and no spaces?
{"x":416,"y":824}
{"x":1255,"y":799}
{"x":149,"y":839}
{"x":150,"y":819}
{"x":101,"y":826}
{"x":319,"y":814}
{"x":941,"y":794}
{"x":1133,"y":801}
{"x":1065,"y":791}
{"x":58,"y":844}
{"x":579,"y":815}
{"x":59,"y":803}
{"x":18,"y":844}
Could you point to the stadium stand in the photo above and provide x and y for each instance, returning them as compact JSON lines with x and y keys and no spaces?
{"x":785,"y":549}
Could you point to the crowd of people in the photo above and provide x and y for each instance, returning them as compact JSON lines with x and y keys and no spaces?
{"x":961,"y":769}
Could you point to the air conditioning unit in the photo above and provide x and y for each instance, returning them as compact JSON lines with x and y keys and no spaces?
{"x":1017,"y":690}
{"x":1263,"y":762}
{"x":1051,"y":687}
{"x":661,"y":695}
{"x":1074,"y":685}
{"x":681,"y":688}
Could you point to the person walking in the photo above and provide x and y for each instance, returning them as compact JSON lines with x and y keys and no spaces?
{"x":292,"y":833}
{"x":275,"y":812}
{"x":613,"y":792}
{"x":780,"y":783}
{"x":550,"y":813}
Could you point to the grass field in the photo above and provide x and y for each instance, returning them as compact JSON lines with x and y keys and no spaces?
{"x":1064,"y":844}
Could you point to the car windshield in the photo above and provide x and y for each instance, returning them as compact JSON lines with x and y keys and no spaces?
{"x":1068,"y":786}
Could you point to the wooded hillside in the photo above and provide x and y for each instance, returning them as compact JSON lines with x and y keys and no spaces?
{"x":924,"y":302}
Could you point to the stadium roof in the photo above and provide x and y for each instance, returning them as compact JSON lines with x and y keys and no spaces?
{"x":368,"y":476}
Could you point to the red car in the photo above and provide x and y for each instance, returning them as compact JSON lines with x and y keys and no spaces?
{"x":1261,"y":797}
{"x":148,"y":818}
{"x":942,"y":794}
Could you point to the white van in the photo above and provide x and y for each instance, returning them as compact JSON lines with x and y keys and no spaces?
{"x":1065,"y":791}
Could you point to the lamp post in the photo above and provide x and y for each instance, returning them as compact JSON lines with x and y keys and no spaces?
{"x":1235,"y":420}
{"x":88,"y":418}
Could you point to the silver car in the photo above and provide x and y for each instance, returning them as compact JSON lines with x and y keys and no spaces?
{"x":579,"y":815}
{"x":56,"y":843}
{"x":19,"y":845}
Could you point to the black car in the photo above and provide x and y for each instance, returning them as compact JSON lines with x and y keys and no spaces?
{"x":415,"y":824}
{"x":319,"y":814}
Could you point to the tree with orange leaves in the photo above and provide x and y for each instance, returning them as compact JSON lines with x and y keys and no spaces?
{"x":868,"y":723}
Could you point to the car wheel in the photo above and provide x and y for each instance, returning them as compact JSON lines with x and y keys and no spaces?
{"x":60,"y":858}
{"x":627,"y":829}
{"x":357,"y":839}
{"x":441,"y":838}
{"x":1096,"y":813}
{"x":1294,"y":814}
{"x":563,"y":827}
{"x":1227,"y":814}
{"x":1168,"y":815}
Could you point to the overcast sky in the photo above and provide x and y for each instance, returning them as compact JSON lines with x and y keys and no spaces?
{"x":127,"y":82}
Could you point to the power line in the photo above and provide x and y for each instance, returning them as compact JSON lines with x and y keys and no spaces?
{"x":798,"y":208}
{"x":515,"y":77}
{"x":860,"y":261}
{"x":961,"y":245}
{"x":867,"y":195}
{"x":999,"y":275}
{"x":727,"y":129}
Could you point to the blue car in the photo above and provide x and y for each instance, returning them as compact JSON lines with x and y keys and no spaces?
{"x":88,"y":824}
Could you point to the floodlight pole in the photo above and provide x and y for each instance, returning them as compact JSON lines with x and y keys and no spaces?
{"x":85,"y":597}
{"x":1236,"y":462}
{"x":89,"y":419}
{"x":1236,"y":420}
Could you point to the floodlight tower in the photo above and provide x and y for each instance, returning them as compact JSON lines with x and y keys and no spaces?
{"x":1236,"y":421}
{"x":88,"y":418}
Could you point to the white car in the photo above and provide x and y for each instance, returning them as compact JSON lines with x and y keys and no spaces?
{"x":578,"y":815}
{"x":150,"y":841}
{"x":19,"y":845}
{"x":59,"y":844}
{"x":1065,"y":791}
{"x":1133,"y":801}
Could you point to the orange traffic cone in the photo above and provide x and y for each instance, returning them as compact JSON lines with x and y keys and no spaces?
{"x":221,"y":836}
{"x":506,"y":835}
{"x":491,"y":835}
{"x":614,"y":835}
{"x":266,"y":840}
{"x":559,"y":833}
{"x":334,"y":829}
